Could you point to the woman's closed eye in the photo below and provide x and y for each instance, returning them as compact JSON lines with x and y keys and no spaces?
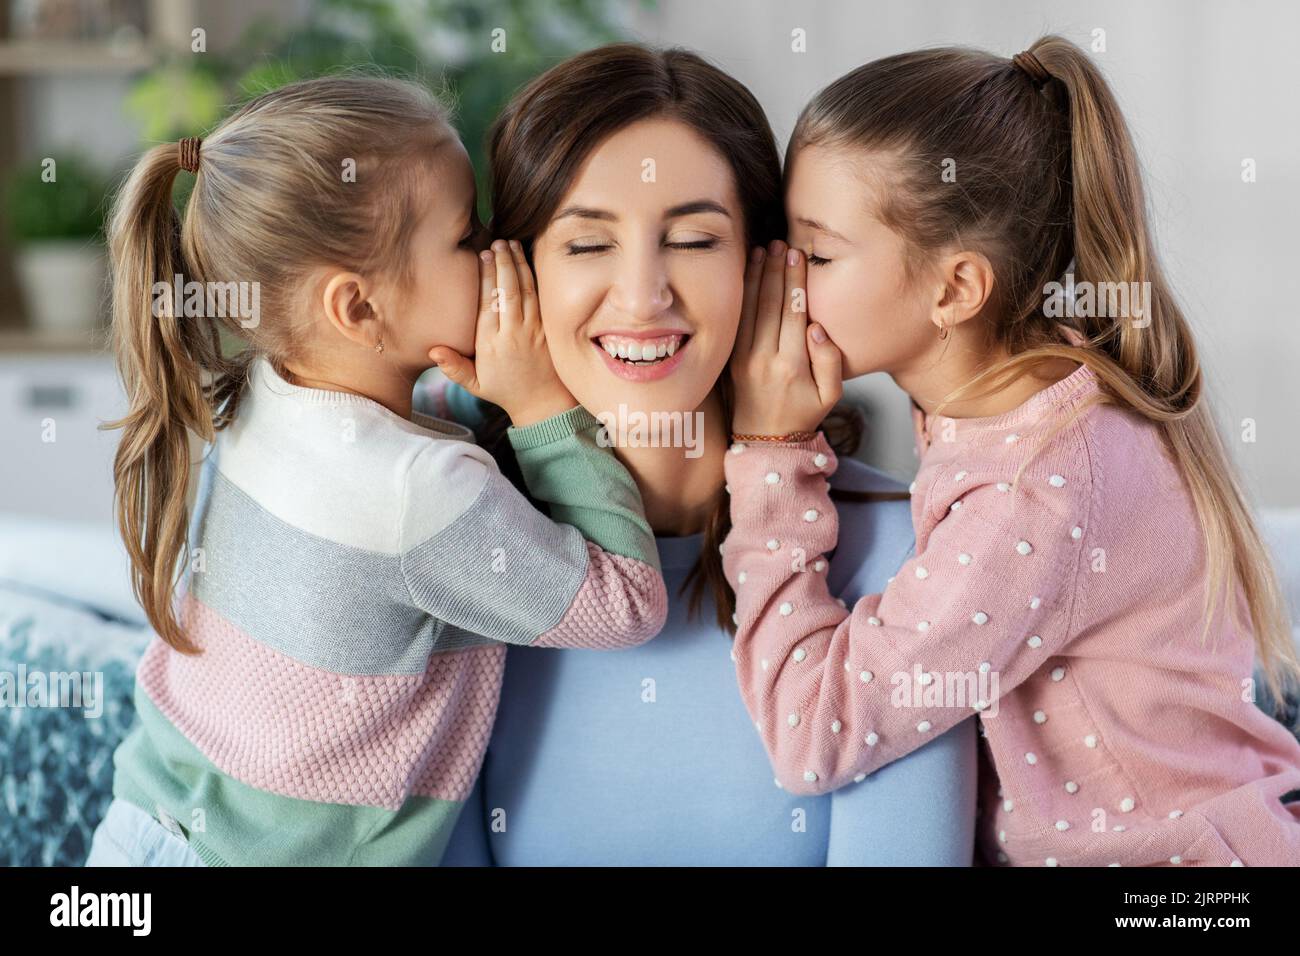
{"x":578,"y":248}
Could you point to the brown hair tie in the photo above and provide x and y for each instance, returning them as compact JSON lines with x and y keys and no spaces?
{"x":188,"y":152}
{"x":1032,"y":67}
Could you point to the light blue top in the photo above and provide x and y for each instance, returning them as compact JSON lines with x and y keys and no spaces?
{"x":647,"y":757}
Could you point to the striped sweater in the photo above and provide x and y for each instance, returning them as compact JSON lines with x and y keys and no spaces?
{"x":354,"y":580}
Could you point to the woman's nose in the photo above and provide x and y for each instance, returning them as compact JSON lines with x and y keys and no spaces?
{"x":641,"y":289}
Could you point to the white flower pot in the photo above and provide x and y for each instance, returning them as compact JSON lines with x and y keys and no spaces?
{"x":62,"y":283}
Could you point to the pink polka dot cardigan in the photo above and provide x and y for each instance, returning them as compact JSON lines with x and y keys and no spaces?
{"x":1064,"y":606}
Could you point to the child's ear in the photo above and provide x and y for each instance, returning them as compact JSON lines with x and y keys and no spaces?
{"x":967,"y":283}
{"x":346,"y":299}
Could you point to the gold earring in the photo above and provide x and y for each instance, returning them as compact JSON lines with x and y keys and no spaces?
{"x":943,"y":331}
{"x":380,"y":347}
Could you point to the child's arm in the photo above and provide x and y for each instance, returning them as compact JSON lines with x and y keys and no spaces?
{"x":838,"y":693}
{"x":477,"y":555}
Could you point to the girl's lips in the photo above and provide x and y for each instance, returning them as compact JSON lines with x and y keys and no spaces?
{"x":642,"y":373}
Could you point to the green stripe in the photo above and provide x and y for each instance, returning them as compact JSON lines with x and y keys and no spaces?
{"x":584,"y":484}
{"x":244,"y":826}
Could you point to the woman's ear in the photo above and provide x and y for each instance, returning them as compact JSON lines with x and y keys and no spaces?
{"x":966,"y":279}
{"x":347,"y":299}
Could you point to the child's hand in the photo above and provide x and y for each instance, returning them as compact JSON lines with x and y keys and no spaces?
{"x":786,"y":372}
{"x":511,"y":366}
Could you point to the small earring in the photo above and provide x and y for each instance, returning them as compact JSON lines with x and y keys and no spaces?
{"x":380,"y":347}
{"x":943,"y":332}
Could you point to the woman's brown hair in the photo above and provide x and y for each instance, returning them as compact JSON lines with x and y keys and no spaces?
{"x":272,"y":199}
{"x":1046,"y":174}
{"x":539,"y":143}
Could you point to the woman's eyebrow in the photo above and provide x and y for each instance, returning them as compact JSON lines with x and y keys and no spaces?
{"x":814,"y":224}
{"x":682,"y":209}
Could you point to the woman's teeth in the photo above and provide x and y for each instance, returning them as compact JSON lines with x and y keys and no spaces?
{"x":640,"y":351}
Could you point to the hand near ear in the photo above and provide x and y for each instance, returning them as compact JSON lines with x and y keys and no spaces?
{"x":511,"y":366}
{"x":787,"y":373}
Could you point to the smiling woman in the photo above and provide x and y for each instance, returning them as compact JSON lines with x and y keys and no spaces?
{"x":638,"y":180}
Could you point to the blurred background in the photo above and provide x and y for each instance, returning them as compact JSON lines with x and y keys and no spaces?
{"x":85,"y":85}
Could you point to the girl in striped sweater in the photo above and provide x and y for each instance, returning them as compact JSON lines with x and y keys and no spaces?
{"x":324,"y":689}
{"x":1087,"y":576}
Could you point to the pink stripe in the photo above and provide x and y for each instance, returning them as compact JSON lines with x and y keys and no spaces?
{"x":622,"y":603}
{"x":282,"y":726}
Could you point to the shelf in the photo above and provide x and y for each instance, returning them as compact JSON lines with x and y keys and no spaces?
{"x":44,"y":57}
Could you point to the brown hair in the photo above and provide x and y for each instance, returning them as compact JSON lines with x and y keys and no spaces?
{"x":540,"y":141}
{"x":270,"y":202}
{"x":1046,"y":173}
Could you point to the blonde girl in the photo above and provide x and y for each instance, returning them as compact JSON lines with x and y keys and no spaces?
{"x":1087,"y":576}
{"x":323,"y":690}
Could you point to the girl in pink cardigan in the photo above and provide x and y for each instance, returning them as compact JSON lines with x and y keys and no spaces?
{"x":1087,"y":576}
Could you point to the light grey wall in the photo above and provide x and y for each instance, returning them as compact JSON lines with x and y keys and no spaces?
{"x":1203,"y":85}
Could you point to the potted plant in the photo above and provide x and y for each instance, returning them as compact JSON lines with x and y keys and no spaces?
{"x":56,"y":218}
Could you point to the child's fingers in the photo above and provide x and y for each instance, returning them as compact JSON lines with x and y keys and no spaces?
{"x":827,"y":367}
{"x":794,"y":310}
{"x":458,"y":369}
{"x":507,"y":291}
{"x":487,"y":283}
{"x":771,"y":289}
{"x":527,"y":287}
{"x":753,"y":272}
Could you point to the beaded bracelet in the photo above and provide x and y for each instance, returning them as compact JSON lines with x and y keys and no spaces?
{"x":792,"y":437}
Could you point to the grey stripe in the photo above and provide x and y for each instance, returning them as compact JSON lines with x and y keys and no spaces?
{"x":332,"y":606}
{"x":502,"y":568}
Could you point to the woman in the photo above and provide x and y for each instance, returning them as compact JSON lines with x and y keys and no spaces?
{"x":638,"y":181}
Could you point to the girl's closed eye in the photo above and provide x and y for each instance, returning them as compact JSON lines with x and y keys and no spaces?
{"x":814,"y":260}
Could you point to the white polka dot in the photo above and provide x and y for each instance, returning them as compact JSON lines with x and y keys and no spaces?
{"x":1002,"y":857}
{"x":799,"y":655}
{"x":1040,"y":717}
{"x":1236,"y":863}
{"x":1058,"y":673}
{"x":1050,"y":861}
{"x":741,"y":577}
{"x":859,"y":778}
{"x":810,"y":515}
{"x":872,"y":739}
{"x":954,"y":506}
{"x":836,"y":726}
{"x":819,"y":459}
{"x":911,"y":489}
{"x":1112,"y":864}
{"x":773,"y":544}
{"x":819,"y":565}
{"x":924,"y":726}
{"x":925,"y":679}
{"x":793,"y":720}
{"x":1056,"y":481}
{"x":1034,"y":603}
{"x":922,"y":573}
{"x":1071,"y":787}
{"x":959,"y":476}
{"x":733,"y":655}
{"x":810,"y":776}
{"x":866,"y":676}
{"x":981,"y":705}
{"x":786,"y":609}
{"x":776,"y":781}
{"x":1024,"y":547}
{"x":1003,"y":486}
{"x":979,"y":617}
{"x":1119,"y":828}
{"x":772,"y":478}
{"x":737,"y":448}
{"x":1127,"y":804}
{"x":1175,"y":860}
{"x":763,"y":662}
{"x":1031,"y":758}
{"x":1076,"y":533}
{"x":727,"y":488}
{"x":1175,"y":814}
{"x":963,"y":558}
{"x":1012,"y":437}
{"x":1062,"y":825}
{"x":734,"y":619}
{"x":846,"y":665}
{"x":923,"y":626}
{"x":1002,"y":836}
{"x":840,"y":602}
{"x":985,"y":667}
{"x":1035,"y":641}
{"x":1090,"y":741}
{"x":1008,"y":805}
{"x":873,"y":621}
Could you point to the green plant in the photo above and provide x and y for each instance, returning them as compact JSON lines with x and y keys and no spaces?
{"x":70,"y":206}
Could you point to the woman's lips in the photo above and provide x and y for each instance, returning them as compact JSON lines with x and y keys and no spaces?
{"x":642,"y":373}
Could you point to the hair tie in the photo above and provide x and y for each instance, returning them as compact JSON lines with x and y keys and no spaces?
{"x":188,"y":152}
{"x":1031,"y":66}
